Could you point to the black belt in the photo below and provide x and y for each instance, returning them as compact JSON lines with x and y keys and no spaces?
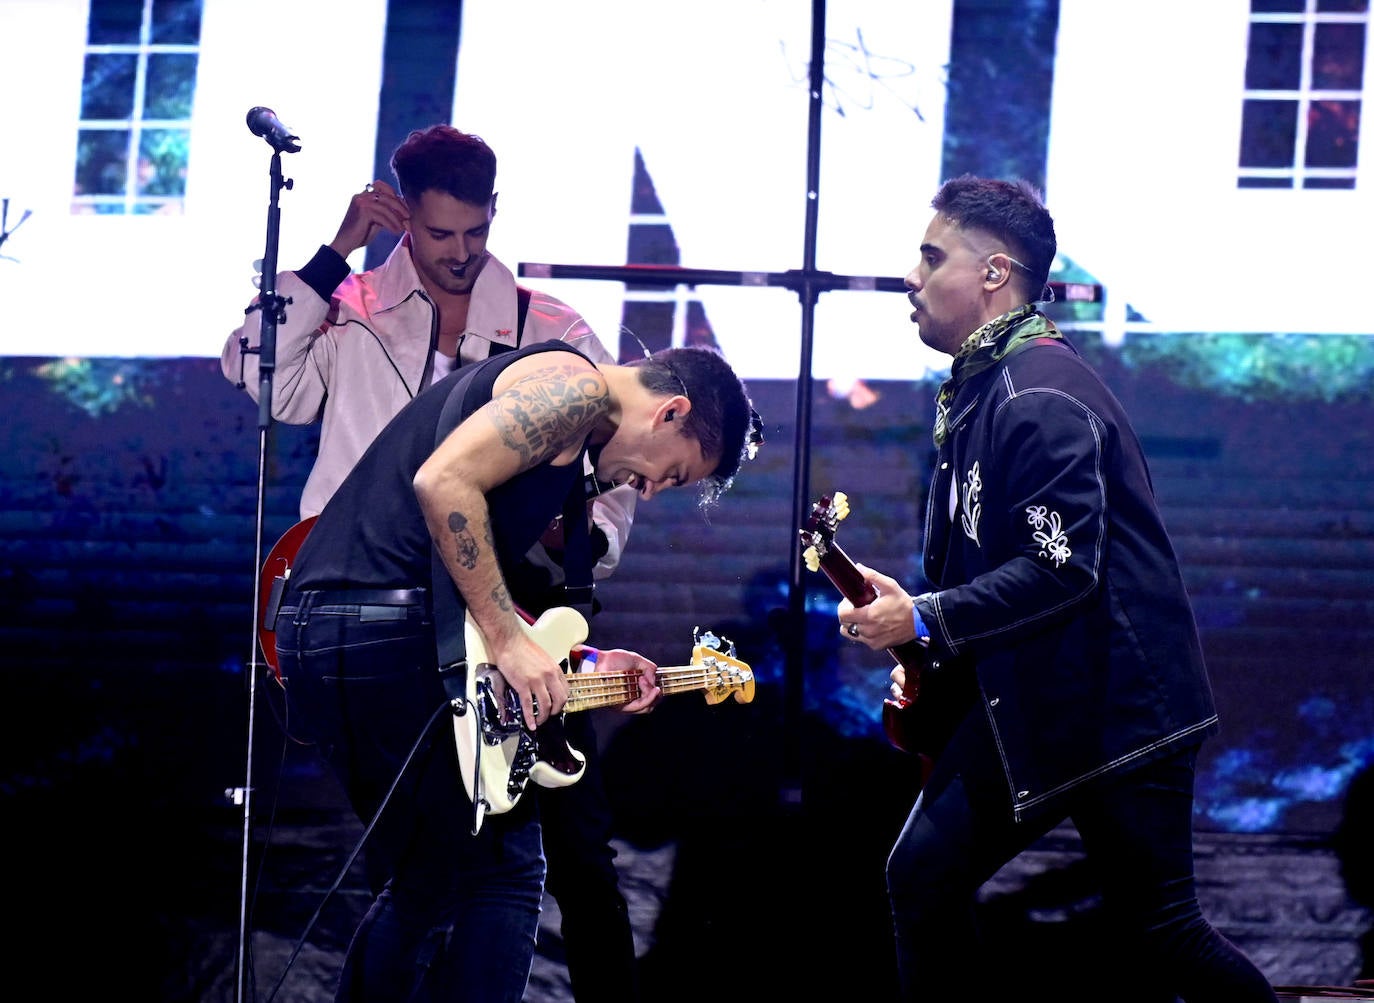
{"x":361,"y":597}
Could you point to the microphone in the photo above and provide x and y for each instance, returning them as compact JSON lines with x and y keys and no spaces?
{"x":264,"y":122}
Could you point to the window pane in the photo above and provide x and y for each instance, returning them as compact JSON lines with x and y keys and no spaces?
{"x":114,"y":22}
{"x":162,"y":156}
{"x":176,"y":22}
{"x":1328,"y":183}
{"x":1268,"y":132}
{"x":1274,"y":60}
{"x":1338,"y":57}
{"x":1276,"y":6}
{"x":171,"y":84}
{"x":1333,"y":132}
{"x":1265,"y":183}
{"x":1342,"y":6}
{"x":108,"y":88}
{"x":102,"y":157}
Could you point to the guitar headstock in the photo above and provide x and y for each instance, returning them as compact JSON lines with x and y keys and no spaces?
{"x":724,"y":674}
{"x":819,"y":532}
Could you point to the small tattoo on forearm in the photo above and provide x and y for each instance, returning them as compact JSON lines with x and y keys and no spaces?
{"x":464,"y":543}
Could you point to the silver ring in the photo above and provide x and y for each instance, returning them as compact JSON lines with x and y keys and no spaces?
{"x":368,"y":188}
{"x":534,"y":705}
{"x":852,"y":630}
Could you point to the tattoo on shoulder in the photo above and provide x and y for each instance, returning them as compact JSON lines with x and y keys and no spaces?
{"x":548,"y":410}
{"x":464,"y":542}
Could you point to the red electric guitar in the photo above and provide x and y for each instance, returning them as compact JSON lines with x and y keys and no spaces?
{"x":276,"y":569}
{"x":921,"y":718}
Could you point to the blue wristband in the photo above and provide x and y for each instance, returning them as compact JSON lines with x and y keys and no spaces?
{"x":922,"y":631}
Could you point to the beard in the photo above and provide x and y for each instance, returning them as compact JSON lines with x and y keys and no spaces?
{"x":455,"y":278}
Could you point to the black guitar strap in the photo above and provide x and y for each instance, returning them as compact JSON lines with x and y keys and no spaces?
{"x":577,"y":551}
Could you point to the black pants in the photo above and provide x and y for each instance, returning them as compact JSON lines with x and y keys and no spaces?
{"x":454,"y":916}
{"x":1136,"y":828}
{"x":597,"y":937}
{"x":598,"y":941}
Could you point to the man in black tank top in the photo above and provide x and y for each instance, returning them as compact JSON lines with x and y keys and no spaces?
{"x":419,"y":537}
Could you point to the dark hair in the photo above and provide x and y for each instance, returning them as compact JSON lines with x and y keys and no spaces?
{"x":722,"y":418}
{"x":446,"y":160}
{"x":1012,"y":211}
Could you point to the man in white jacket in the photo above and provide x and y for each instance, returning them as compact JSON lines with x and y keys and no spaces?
{"x":353,"y":349}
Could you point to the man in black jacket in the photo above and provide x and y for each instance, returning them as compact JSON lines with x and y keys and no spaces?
{"x":1056,"y":585}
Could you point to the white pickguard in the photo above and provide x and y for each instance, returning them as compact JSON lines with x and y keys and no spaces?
{"x":496,"y":753}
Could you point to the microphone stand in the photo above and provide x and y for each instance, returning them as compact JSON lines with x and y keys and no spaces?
{"x":273,"y":309}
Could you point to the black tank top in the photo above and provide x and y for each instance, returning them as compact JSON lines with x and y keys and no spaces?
{"x":372,"y":533}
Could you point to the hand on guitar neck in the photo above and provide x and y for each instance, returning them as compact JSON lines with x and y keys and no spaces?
{"x":498,"y":753}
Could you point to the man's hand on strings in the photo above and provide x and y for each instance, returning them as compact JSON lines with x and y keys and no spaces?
{"x":531,"y":672}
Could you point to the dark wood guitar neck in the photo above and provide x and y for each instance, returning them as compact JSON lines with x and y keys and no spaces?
{"x":846,"y":577}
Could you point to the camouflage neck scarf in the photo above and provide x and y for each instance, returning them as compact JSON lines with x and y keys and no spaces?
{"x":988,"y":345}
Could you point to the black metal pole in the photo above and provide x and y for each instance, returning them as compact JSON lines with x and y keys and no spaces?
{"x":794,"y":671}
{"x":273,"y":311}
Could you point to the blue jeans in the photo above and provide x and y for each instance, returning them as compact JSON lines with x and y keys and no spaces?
{"x":1136,"y":828}
{"x":455,"y":916}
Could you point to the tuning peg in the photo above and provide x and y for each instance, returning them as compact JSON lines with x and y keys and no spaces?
{"x":708,"y":639}
{"x":812,"y":559}
{"x":841,"y":505}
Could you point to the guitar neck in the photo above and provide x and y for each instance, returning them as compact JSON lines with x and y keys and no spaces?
{"x":845,"y":576}
{"x":588,"y":690}
{"x":851,"y":583}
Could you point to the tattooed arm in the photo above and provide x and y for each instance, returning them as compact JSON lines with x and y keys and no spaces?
{"x":540,"y":413}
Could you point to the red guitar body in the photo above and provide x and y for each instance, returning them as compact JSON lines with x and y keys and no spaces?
{"x":277,"y":567}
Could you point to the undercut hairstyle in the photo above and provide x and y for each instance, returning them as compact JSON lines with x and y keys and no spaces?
{"x":1012,"y":211}
{"x":722,"y":418}
{"x":443,"y":159}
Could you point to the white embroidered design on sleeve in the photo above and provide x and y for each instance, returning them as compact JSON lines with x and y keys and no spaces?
{"x":973,"y":508}
{"x":1049,"y":533}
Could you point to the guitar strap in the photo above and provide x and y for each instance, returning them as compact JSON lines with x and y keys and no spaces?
{"x":577,"y":551}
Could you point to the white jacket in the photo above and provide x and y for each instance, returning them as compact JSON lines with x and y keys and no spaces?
{"x":368,"y":351}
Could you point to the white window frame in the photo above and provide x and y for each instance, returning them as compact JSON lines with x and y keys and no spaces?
{"x":131,"y":201}
{"x":1305,"y":94}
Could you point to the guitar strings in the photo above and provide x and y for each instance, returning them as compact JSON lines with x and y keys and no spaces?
{"x":592,"y":689}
